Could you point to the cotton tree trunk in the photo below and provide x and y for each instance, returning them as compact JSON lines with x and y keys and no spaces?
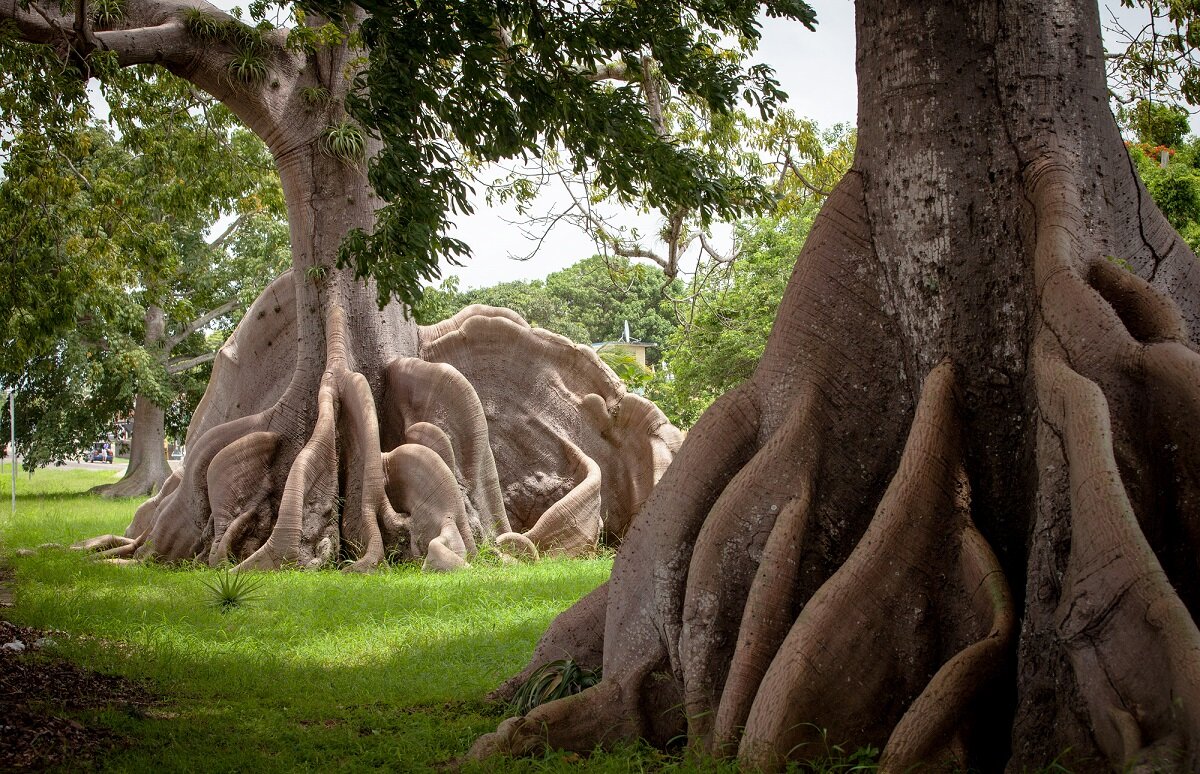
{"x":334,"y":432}
{"x":148,"y":468}
{"x":955,"y":514}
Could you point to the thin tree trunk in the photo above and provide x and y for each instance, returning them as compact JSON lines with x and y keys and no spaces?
{"x":148,"y":468}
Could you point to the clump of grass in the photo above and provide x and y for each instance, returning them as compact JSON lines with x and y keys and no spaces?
{"x":201,"y":25}
{"x":231,"y":589}
{"x":553,"y":680}
{"x":314,"y":97}
{"x":107,"y":12}
{"x":247,"y":67}
{"x":345,"y":141}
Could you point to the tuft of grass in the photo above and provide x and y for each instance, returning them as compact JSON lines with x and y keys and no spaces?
{"x":247,"y":67}
{"x":553,"y":680}
{"x":345,"y":141}
{"x":107,"y":12}
{"x":202,"y":25}
{"x":230,"y":589}
{"x":315,"y":97}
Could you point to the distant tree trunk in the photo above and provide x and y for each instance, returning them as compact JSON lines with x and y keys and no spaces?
{"x":148,"y":467}
{"x":955,"y":514}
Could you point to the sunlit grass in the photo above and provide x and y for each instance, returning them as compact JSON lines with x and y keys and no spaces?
{"x":321,"y":671}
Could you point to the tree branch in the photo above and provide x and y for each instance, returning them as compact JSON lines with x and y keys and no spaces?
{"x":183,"y":364}
{"x":220,"y":241}
{"x":200,"y":322}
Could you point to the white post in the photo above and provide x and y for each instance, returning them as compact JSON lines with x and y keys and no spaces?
{"x":12,"y":444}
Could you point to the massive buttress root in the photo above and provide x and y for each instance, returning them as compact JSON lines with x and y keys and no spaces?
{"x":488,"y":432}
{"x":955,"y":514}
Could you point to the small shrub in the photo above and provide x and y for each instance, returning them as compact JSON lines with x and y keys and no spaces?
{"x":551,"y":681}
{"x":230,"y":590}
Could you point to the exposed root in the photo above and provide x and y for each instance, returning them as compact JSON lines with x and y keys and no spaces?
{"x":310,"y":484}
{"x":419,"y":484}
{"x":874,"y":635}
{"x":571,"y":526}
{"x":398,"y":459}
{"x":1116,"y":593}
{"x":766,"y":501}
{"x":420,"y":395}
{"x":102,"y":543}
{"x":607,"y":713}
{"x":242,"y":485}
{"x":524,"y":546}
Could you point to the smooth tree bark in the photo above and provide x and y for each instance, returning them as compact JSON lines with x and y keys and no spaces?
{"x":955,"y":513}
{"x":336,"y":432}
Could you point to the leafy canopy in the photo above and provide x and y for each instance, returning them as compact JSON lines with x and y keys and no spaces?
{"x":452,"y":84}
{"x":99,"y":223}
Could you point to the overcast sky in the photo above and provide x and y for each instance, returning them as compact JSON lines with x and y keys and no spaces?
{"x":816,"y":69}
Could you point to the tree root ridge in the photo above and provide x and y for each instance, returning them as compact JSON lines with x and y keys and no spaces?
{"x":405,"y":456}
{"x":733,"y":587}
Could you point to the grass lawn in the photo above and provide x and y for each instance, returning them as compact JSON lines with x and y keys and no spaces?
{"x":324,"y":671}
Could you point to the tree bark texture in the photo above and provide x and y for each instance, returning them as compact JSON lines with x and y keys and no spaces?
{"x":148,"y":468}
{"x":954,"y":515}
{"x":334,"y":432}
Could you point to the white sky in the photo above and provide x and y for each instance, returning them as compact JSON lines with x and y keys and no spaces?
{"x":816,"y":69}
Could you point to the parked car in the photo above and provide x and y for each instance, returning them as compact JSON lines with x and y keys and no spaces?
{"x":101,"y":451}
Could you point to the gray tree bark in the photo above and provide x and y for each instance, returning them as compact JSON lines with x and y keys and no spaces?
{"x":954,"y":513}
{"x":335,"y":432}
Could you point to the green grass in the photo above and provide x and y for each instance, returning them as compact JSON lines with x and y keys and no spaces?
{"x":317,"y":671}
{"x":322,"y":671}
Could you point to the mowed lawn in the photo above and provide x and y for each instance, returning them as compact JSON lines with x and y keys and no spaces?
{"x":323,"y":671}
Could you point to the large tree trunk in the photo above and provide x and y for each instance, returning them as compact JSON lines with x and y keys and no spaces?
{"x":148,"y":468}
{"x":955,"y":513}
{"x":334,"y":432}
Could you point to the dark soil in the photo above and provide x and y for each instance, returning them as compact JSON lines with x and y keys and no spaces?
{"x":46,"y":703}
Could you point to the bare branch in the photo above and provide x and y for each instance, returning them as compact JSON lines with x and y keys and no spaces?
{"x":200,"y":322}
{"x":230,"y":230}
{"x":183,"y":364}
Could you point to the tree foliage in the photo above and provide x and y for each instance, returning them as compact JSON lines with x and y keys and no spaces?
{"x":103,"y":225}
{"x":448,"y":85}
{"x":732,"y":318}
{"x":587,"y":302}
{"x":1160,"y":129}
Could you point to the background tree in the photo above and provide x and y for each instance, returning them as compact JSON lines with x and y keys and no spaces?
{"x":148,"y":284}
{"x":297,"y":451}
{"x":952,"y":515}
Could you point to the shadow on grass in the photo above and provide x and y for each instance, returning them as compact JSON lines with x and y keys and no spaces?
{"x":327,"y":670}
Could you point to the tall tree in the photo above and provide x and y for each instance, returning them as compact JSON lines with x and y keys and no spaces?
{"x":953,"y":515}
{"x":145,"y":283}
{"x":298,"y":451}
